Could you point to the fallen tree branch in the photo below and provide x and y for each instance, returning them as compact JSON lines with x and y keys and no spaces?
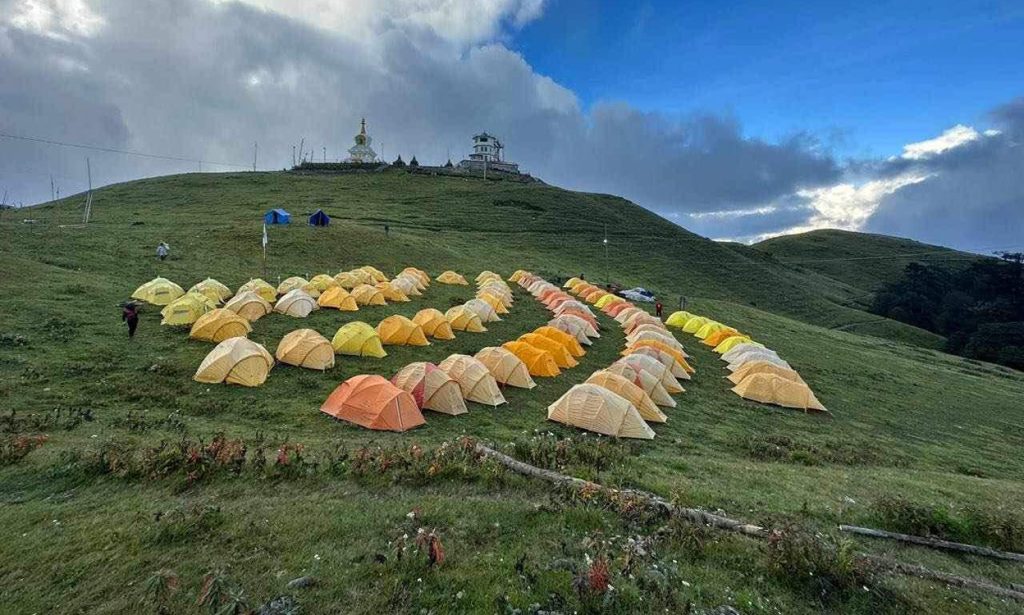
{"x":881,"y":564}
{"x":894,"y":567}
{"x":693,"y":515}
{"x":933,"y":543}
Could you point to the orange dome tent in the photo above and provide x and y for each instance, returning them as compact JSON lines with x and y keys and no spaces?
{"x":374,"y":403}
{"x":568,"y":341}
{"x":397,"y":330}
{"x":538,"y":362}
{"x":629,"y":391}
{"x":617,"y":308}
{"x":557,"y":350}
{"x":305,"y":348}
{"x":431,"y":387}
{"x":450,"y":277}
{"x":506,"y":367}
{"x":391,"y":292}
{"x":718,"y":337}
{"x":661,"y":346}
{"x":474,"y":379}
{"x":763,"y":367}
{"x":338,"y":298}
{"x":434,"y":324}
{"x":219,"y":325}
{"x":494,"y":301}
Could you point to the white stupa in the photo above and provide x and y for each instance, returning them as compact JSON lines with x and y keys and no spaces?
{"x":361,"y":152}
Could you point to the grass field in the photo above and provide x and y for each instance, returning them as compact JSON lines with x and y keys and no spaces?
{"x":915,"y":436}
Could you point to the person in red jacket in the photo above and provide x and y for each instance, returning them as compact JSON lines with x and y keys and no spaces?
{"x":130,"y":315}
{"x":657,"y":309}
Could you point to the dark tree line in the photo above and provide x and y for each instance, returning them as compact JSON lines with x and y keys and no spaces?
{"x":979,"y":309}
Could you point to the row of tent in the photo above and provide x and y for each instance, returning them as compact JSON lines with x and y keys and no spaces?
{"x":280,"y":216}
{"x":621,"y":399}
{"x":756,"y":372}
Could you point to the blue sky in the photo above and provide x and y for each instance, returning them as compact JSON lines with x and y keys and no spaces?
{"x":866,"y":77}
{"x":736,"y":120}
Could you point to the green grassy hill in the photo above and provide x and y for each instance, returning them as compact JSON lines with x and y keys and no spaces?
{"x":102,"y":505}
{"x":862,"y":260}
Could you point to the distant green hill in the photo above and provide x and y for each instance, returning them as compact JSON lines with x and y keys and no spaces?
{"x":862,"y":260}
{"x":138,"y":484}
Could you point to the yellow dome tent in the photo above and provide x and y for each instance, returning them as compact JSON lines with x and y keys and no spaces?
{"x":695,"y":323}
{"x":506,"y":367}
{"x":349,"y":280}
{"x":474,"y":379}
{"x":655,"y":368}
{"x":338,"y":298}
{"x":651,"y":335}
{"x":296,"y":303}
{"x":265,"y":291}
{"x":482,"y":309}
{"x":568,"y":341}
{"x":731,"y":342}
{"x":597,"y":409}
{"x":249,"y":305}
{"x":296,"y":282}
{"x":678,"y":319}
{"x":397,"y":330}
{"x":434,"y":324}
{"x":158,"y":291}
{"x":212,"y":290}
{"x":646,"y":381}
{"x":391,"y":292}
{"x":626,"y":389}
{"x":364,"y":294}
{"x":462,"y":318}
{"x":186,"y":309}
{"x":708,"y":328}
{"x":494,"y":301}
{"x":538,"y":361}
{"x":562,"y":357}
{"x":305,"y":348}
{"x":236,"y":361}
{"x":486,"y":275}
{"x":375,"y":274}
{"x":219,"y":325}
{"x":606,"y":300}
{"x":517,"y":275}
{"x":450,"y":277}
{"x":572,"y":283}
{"x":774,"y":389}
{"x":323,"y":281}
{"x":431,"y":387}
{"x":679,"y":355}
{"x":358,"y":339}
{"x":763,"y":367}
{"x":420,"y":275}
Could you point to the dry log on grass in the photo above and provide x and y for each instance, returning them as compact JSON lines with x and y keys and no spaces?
{"x":691,"y":514}
{"x":881,"y":564}
{"x":891,"y":566}
{"x":933,"y":543}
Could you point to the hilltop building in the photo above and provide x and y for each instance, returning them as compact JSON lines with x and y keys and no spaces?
{"x":487,"y":156}
{"x":361,"y":152}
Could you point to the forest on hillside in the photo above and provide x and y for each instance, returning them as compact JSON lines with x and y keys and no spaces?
{"x":979,"y":309}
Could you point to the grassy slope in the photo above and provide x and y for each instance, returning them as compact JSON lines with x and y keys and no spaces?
{"x":862,"y":260}
{"x":914,"y":422}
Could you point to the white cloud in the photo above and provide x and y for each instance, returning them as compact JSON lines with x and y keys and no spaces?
{"x":462,"y":22}
{"x":52,"y":18}
{"x":952,"y":138}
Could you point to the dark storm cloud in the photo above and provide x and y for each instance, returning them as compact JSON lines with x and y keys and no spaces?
{"x":974,"y":196}
{"x":200,"y":79}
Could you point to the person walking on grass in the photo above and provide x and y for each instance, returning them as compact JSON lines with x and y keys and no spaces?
{"x":162,"y":250}
{"x":658,"y":307}
{"x":130,"y":316}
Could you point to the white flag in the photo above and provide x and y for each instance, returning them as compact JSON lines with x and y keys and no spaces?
{"x":264,"y":236}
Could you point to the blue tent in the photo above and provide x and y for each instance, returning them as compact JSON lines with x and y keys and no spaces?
{"x":277,"y":216}
{"x":319,"y":218}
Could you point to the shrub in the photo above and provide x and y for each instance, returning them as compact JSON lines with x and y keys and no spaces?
{"x":820,"y":564}
{"x":998,"y":528}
